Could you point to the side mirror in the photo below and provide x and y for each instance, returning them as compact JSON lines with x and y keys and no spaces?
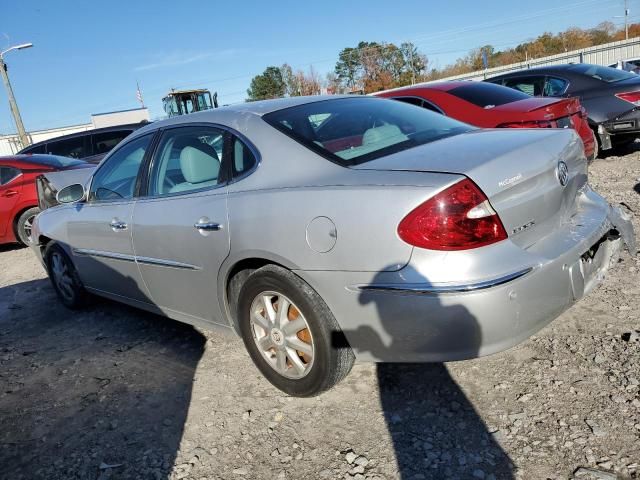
{"x":71,"y":194}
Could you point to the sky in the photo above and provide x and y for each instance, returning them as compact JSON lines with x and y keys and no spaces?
{"x":87,"y":56}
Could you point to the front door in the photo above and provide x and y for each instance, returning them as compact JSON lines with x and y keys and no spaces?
{"x":10,"y":188}
{"x":100,"y":228}
{"x":181,"y":234}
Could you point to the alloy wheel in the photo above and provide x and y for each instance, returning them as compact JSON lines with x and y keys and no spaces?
{"x":282,"y":334}
{"x":62,"y":276}
{"x":28,"y":224}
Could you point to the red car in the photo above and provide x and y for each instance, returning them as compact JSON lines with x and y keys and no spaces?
{"x":487,"y":105}
{"x":18,"y":195}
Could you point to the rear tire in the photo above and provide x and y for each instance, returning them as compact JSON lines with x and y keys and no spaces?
{"x":293,"y":348}
{"x":24,"y":223}
{"x":64,"y":278}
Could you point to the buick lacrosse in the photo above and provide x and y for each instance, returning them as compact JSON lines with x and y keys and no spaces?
{"x":325,"y":230}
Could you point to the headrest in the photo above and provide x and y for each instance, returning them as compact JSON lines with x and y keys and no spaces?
{"x":388,"y":134}
{"x":199,"y":163}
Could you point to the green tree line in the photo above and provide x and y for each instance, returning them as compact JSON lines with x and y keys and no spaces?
{"x":373,"y":66}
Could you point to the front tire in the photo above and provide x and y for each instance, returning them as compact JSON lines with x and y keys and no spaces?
{"x":289,"y":333}
{"x":24,"y":223}
{"x":64,"y":278}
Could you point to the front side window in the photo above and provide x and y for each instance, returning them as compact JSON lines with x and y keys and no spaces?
{"x":116,"y":178}
{"x":72,"y":147}
{"x":187,"y":159}
{"x":533,"y":86}
{"x":360,"y":129}
{"x":7,"y":174}
{"x":104,"y":142}
{"x":487,"y":95}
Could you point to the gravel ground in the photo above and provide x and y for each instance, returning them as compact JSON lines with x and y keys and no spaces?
{"x":112,"y":392}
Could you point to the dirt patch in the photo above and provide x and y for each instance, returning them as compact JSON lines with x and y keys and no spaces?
{"x":112,"y":392}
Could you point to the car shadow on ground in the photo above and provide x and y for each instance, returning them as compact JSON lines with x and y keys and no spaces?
{"x":435,"y":429}
{"x":636,"y":188}
{"x":98,"y":393}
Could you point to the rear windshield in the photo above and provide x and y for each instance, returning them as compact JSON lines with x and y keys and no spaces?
{"x":55,"y":161}
{"x":487,"y":95}
{"x":350,"y":131}
{"x":606,"y":74}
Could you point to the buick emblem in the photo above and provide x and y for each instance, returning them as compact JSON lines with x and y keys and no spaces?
{"x":563,"y":173}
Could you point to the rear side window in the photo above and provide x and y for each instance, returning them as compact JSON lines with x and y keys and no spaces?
{"x":72,"y":147}
{"x":7,"y":174}
{"x":104,"y":142}
{"x":243,"y":158}
{"x":554,"y":87}
{"x":533,"y":86}
{"x":487,"y":95}
{"x":356,"y":130}
{"x":418,"y":102}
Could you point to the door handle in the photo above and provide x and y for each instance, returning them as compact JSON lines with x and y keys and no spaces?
{"x":10,"y":193}
{"x":117,"y":225}
{"x":208,"y":226}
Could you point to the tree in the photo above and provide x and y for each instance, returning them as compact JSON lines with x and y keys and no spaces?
{"x":300,"y":83}
{"x":268,"y":85}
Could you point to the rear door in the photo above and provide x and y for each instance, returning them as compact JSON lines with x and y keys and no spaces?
{"x":181,"y":231}
{"x":10,"y":189}
{"x":100,"y":228}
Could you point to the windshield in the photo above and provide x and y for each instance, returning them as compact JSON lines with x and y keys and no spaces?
{"x":55,"y":161}
{"x":606,"y":74}
{"x":350,"y":131}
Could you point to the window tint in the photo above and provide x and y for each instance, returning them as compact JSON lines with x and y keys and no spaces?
{"x":104,"y":142}
{"x":606,"y":74}
{"x":410,"y":100}
{"x":36,"y":149}
{"x":187,"y":159}
{"x":72,"y":147}
{"x":530,"y":85}
{"x":116,"y":179}
{"x":7,"y":174}
{"x":487,"y":95}
{"x":554,"y":87}
{"x":243,"y":158}
{"x":419,"y":102}
{"x":357,"y":130}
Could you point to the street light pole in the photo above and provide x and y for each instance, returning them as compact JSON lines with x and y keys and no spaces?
{"x":22,"y":134}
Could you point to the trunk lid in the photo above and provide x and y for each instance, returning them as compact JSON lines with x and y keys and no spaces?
{"x":561,"y":113}
{"x":517,"y":169}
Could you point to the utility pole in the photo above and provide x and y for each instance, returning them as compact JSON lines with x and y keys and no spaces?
{"x":626,"y":23}
{"x":22,"y":134}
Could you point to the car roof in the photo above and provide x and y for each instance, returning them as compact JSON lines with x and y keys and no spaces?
{"x":565,"y":68}
{"x":228,"y":112}
{"x":113,"y":128}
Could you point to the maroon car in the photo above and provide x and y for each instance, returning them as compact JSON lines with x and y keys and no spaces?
{"x":487,"y":105}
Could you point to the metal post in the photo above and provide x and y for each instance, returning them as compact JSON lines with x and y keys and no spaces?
{"x":626,"y":23}
{"x":22,"y":134}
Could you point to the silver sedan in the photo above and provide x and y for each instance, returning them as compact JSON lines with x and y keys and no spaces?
{"x":328,"y":229}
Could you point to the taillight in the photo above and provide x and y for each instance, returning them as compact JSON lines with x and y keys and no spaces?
{"x":631,"y":97}
{"x":458,"y":218}
{"x":528,"y":124}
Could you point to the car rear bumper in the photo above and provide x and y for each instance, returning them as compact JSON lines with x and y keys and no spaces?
{"x":627,"y":124}
{"x":392,"y":317}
